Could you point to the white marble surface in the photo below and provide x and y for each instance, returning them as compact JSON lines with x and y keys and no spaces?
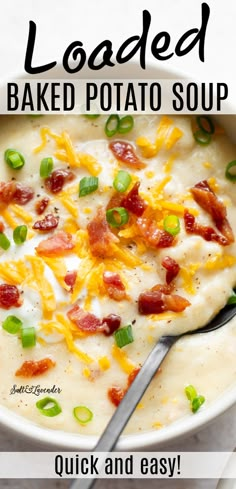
{"x":59,"y":23}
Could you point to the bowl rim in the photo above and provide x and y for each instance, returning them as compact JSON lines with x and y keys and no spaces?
{"x":138,"y":441}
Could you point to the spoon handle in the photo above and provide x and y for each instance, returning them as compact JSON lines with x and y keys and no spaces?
{"x":128,"y":404}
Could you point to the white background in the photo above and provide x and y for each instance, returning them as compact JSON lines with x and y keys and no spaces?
{"x":60,"y":22}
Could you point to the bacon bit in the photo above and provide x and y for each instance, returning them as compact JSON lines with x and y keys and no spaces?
{"x":163,"y":288}
{"x":49,"y":222}
{"x":172,"y":268}
{"x":15,"y":193}
{"x":31,"y":368}
{"x":100,"y":236}
{"x":116,"y":394}
{"x":41,"y":205}
{"x":156,"y":302}
{"x":206,"y":232}
{"x":133,"y":375}
{"x":9,"y":296}
{"x":124,"y":152}
{"x":58,"y":178}
{"x":133,"y":202}
{"x":84,"y":320}
{"x":57,"y":245}
{"x":2,"y":227}
{"x":111,"y":323}
{"x":114,"y":286}
{"x":153,"y":236}
{"x":115,"y":201}
{"x":207,"y":199}
{"x":70,"y":279}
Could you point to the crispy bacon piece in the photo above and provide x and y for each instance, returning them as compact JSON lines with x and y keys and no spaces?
{"x":2,"y":227}
{"x":156,"y":302}
{"x":47,"y":224}
{"x":32,"y":368}
{"x":116,"y":394}
{"x":133,"y":202}
{"x":206,"y":232}
{"x":110,"y":324}
{"x":115,"y":201}
{"x":57,"y":245}
{"x":58,"y":178}
{"x":84,"y":320}
{"x":172,"y":268}
{"x":163,"y":288}
{"x":16,"y":193}
{"x":124,"y":152}
{"x":100,"y":236}
{"x":9,"y":296}
{"x":41,"y":205}
{"x":157,"y":238}
{"x":70,"y":278}
{"x":207,"y":199}
{"x":114,"y":285}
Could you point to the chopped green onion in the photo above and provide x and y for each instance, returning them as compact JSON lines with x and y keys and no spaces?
{"x":202,"y":137}
{"x":12,"y":324}
{"x":197,"y":402}
{"x":124,"y":336}
{"x":206,"y":124}
{"x":53,"y":410}
{"x":87,"y":185}
{"x":20,"y":234}
{"x":92,"y":116}
{"x":126,"y":124}
{"x":46,"y":167}
{"x":228,"y":174}
{"x":14,"y":159}
{"x":122,"y":181}
{"x":117,"y":216}
{"x":82,"y":414}
{"x":172,"y":225}
{"x":190,"y":392}
{"x":28,"y":337}
{"x":4,"y":242}
{"x":112,"y":125}
{"x":232,"y":299}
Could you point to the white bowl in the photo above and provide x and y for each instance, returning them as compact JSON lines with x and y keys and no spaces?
{"x":147,"y":440}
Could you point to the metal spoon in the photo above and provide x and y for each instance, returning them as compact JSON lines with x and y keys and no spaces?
{"x":128,"y":404}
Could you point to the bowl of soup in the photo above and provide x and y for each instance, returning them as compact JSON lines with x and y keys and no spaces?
{"x":114,"y":230}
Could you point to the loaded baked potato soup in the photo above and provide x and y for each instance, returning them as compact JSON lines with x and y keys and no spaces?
{"x":114,"y":232}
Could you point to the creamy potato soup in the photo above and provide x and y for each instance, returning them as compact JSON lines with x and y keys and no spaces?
{"x":113,"y":233}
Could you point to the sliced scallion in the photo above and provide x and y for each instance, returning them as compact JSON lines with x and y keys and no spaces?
{"x":4,"y":242}
{"x":87,"y":185}
{"x":196,"y":400}
{"x":14,"y":159}
{"x":228,"y":174}
{"x":49,"y":407}
{"x":124,"y":336}
{"x":197,"y":403}
{"x":126,"y":124}
{"x":46,"y":167}
{"x":171,"y":224}
{"x":83,"y":414}
{"x":205,"y":124}
{"x":117,"y":216}
{"x":92,"y":116}
{"x":202,"y":137}
{"x":122,"y":181}
{"x":20,"y":234}
{"x":112,"y":125}
{"x":232,"y":299}
{"x":28,"y":337}
{"x":12,"y":324}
